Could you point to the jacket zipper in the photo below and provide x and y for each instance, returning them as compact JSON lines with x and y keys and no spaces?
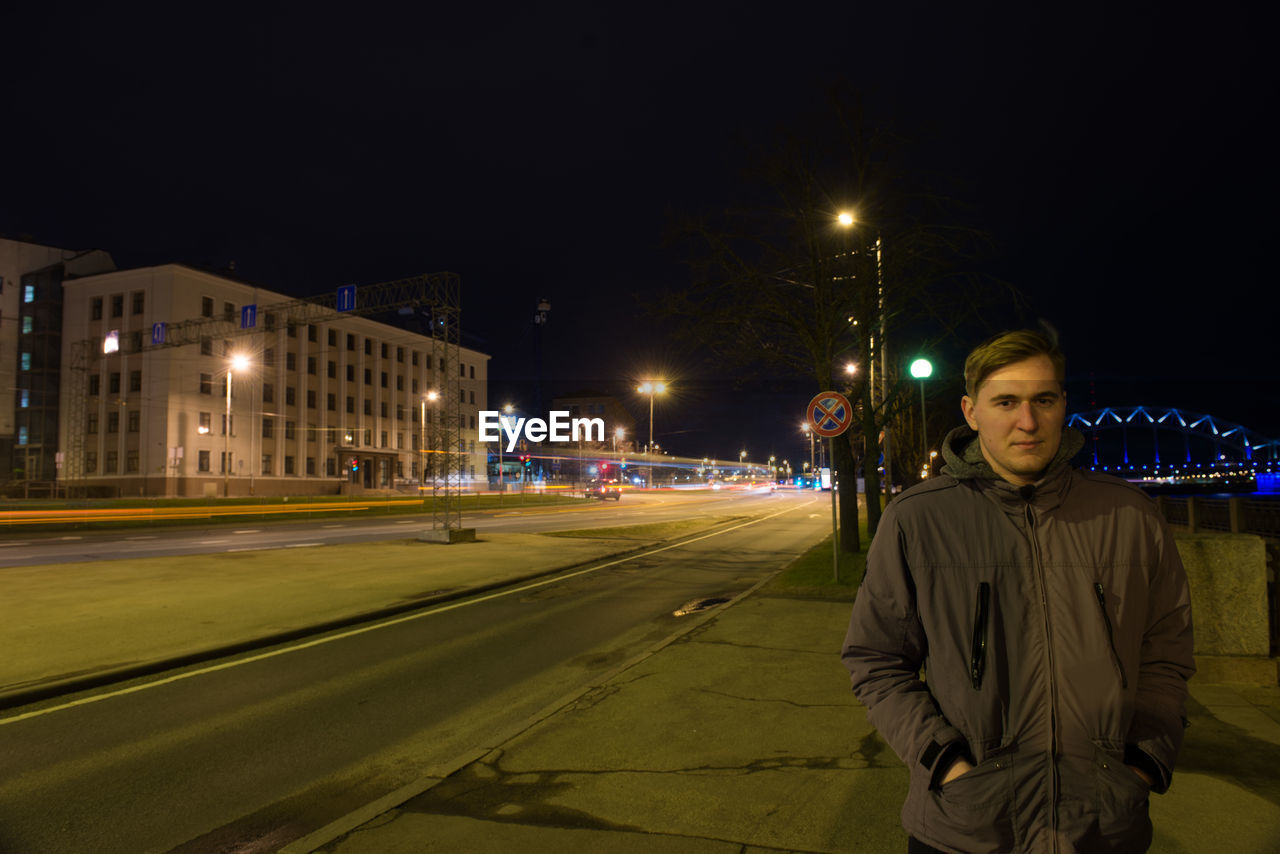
{"x":1053,"y":688}
{"x":978,"y":652}
{"x":1111,"y":639}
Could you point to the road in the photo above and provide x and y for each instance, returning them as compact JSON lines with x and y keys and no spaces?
{"x":634,"y":508}
{"x":252,"y":752}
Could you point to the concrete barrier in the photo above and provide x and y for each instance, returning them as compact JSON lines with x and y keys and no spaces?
{"x":1227,"y":574}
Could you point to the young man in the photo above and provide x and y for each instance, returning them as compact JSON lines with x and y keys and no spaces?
{"x":1049,"y":610}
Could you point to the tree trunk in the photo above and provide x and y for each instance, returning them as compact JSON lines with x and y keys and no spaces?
{"x":845,"y":466}
{"x":871,"y":455}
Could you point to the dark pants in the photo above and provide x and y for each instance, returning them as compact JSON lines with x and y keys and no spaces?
{"x":915,"y":846}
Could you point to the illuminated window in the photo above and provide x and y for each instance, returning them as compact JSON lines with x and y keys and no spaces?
{"x":28,"y":293}
{"x":24,"y":398}
{"x":26,"y":361}
{"x":206,"y":424}
{"x":27,"y":323}
{"x":22,"y":435}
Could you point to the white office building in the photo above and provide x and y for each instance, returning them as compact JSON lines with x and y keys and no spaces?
{"x":339,"y":404}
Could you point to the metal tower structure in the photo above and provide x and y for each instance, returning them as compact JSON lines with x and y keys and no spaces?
{"x":438,"y":295}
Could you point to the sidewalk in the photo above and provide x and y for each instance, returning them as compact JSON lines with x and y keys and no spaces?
{"x":742,"y":736}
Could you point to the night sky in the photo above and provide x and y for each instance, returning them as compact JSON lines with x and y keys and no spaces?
{"x":1122,"y":164}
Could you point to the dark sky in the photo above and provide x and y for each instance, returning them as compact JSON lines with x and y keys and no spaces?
{"x":1120,"y":161}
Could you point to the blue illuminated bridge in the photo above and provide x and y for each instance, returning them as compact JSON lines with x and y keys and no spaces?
{"x":1159,"y":446}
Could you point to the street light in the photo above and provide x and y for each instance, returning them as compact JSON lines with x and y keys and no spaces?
{"x":239,"y":362}
{"x":651,"y":387}
{"x":620,"y":433}
{"x":432,"y":397}
{"x":507,"y":409}
{"x":808,"y":431}
{"x":922,"y":369}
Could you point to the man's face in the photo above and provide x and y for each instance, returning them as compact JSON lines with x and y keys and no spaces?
{"x":1018,"y":415}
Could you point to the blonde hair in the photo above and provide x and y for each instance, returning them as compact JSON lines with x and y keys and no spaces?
{"x":1009,"y":347}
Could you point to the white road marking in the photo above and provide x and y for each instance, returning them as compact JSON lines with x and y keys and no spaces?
{"x":71,"y":538}
{"x":335,"y":526}
{"x":249,"y":531}
{"x":7,"y":545}
{"x":394,"y":621}
{"x":211,"y":542}
{"x":142,"y":538}
{"x":301,"y":545}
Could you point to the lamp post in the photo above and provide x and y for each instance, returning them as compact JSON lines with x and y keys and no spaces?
{"x":808,"y":431}
{"x":431,"y":396}
{"x":507,"y":409}
{"x":651,"y":387}
{"x":238,"y":363}
{"x":922,"y":369}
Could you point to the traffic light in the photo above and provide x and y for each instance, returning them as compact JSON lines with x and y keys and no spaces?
{"x":604,"y":467}
{"x":355,"y":464}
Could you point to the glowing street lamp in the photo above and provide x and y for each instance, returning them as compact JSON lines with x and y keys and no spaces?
{"x":239,"y":362}
{"x":808,"y":431}
{"x":651,"y":387}
{"x":922,"y":369}
{"x":429,"y":397}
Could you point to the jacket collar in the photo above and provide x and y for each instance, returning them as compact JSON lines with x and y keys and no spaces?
{"x":964,"y":462}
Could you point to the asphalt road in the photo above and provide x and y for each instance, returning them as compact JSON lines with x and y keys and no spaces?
{"x":257,"y":751}
{"x":634,"y":508}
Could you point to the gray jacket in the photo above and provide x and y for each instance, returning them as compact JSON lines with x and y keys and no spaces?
{"x":1053,"y":626}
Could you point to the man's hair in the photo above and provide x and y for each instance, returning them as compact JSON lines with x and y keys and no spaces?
{"x":1010,"y":347}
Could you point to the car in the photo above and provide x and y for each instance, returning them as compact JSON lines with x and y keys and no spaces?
{"x":603,"y":489}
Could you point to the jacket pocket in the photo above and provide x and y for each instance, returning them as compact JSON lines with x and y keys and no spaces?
{"x":1121,"y":798}
{"x":1101,"y":596}
{"x":975,"y":811}
{"x":978,"y":649}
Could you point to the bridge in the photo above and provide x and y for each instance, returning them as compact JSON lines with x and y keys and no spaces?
{"x":1168,"y":446}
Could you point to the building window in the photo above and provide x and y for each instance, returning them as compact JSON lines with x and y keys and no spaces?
{"x":351,"y":342}
{"x":113,"y":422}
{"x":399,"y":441}
{"x":269,"y":357}
{"x":368,"y":346}
{"x":415,"y":358}
{"x":139,"y":301}
{"x":206,"y":310}
{"x":312,"y":333}
{"x":224,"y":423}
{"x":91,"y":424}
{"x":288,"y":465}
{"x":117,"y":305}
{"x":473,"y":396}
{"x":290,"y":396}
{"x":384,"y":438}
{"x":368,"y":407}
{"x":333,"y":370}
{"x":384,"y":349}
{"x":205,"y":424}
{"x":206,"y":346}
{"x":351,"y":404}
{"x":415,"y":386}
{"x":311,"y":465}
{"x":24,"y":398}
{"x":206,"y":383}
{"x":462,"y":395}
{"x":131,"y":460}
{"x":229,"y":312}
{"x":399,"y":412}
{"x":462,"y":370}
{"x":333,"y":338}
{"x":331,"y":403}
{"x":268,"y":393}
{"x":26,"y":361}
{"x":368,"y":377}
{"x":134,"y":421}
{"x":22,"y":435}
{"x":351,"y":373}
{"x":28,"y":293}
{"x":291,"y":361}
{"x":311,"y":365}
{"x":224,"y":463}
{"x":135,"y":381}
{"x":90,"y":462}
{"x":473,"y":372}
{"x":331,"y":467}
{"x":202,"y":463}
{"x":311,"y":399}
{"x":291,"y":330}
{"x":399,"y":354}
{"x":384,"y":379}
{"x":27,"y":324}
{"x":368,"y":438}
{"x":95,"y":312}
{"x":268,"y":427}
{"x":266,"y":464}
{"x":290,"y":429}
{"x":113,"y":458}
{"x":382,"y":409}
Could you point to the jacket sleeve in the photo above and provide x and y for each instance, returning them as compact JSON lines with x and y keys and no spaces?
{"x":1165,"y":665}
{"x":884,"y":650}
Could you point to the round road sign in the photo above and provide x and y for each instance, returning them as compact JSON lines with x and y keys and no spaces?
{"x":829,"y":413}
